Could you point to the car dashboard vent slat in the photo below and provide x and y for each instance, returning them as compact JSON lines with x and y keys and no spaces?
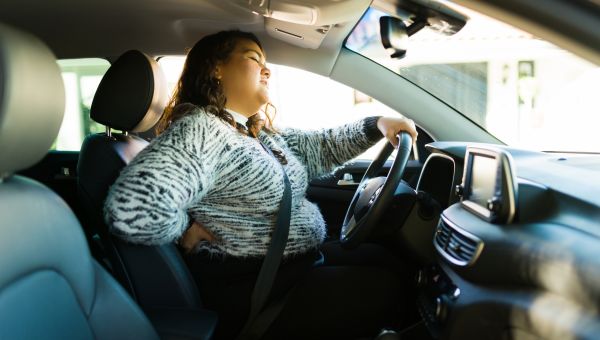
{"x":456,"y":245}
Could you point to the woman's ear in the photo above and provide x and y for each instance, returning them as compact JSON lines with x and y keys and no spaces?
{"x":217,"y":72}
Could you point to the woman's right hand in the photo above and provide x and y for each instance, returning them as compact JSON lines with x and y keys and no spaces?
{"x":195,"y":233}
{"x":390,"y":127}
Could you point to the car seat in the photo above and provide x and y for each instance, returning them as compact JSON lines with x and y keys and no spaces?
{"x":131,"y":98}
{"x":50,"y":287}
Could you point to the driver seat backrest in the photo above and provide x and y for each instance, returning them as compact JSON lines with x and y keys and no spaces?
{"x":130,"y":98}
{"x":50,"y":287}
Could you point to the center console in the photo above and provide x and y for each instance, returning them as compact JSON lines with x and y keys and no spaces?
{"x":436,"y":296}
{"x":488,"y":195}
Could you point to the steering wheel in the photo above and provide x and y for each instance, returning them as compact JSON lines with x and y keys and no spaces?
{"x":374,"y":194}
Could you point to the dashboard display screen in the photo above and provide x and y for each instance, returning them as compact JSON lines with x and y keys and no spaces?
{"x":483,"y":179}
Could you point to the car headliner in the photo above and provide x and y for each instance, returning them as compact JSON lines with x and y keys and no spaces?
{"x":107,"y":28}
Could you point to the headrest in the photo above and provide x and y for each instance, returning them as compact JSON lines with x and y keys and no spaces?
{"x":32,"y":100}
{"x":132,"y":94}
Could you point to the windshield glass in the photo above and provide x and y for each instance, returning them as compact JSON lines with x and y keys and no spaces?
{"x":523,"y":90}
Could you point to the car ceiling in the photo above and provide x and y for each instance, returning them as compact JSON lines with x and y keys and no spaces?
{"x":107,"y":28}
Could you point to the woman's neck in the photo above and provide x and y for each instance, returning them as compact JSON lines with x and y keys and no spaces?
{"x":238,"y":117}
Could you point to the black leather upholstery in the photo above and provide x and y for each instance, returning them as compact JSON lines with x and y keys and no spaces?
{"x":129,"y":92}
{"x":100,"y":160}
{"x":198,"y":323}
{"x":156,"y":277}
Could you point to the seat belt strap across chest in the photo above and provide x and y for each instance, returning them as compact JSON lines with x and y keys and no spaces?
{"x":269,"y":267}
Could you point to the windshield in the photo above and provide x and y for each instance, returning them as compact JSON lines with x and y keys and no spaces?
{"x":523,"y":90}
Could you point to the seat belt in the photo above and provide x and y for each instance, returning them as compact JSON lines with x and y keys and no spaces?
{"x":258,"y":320}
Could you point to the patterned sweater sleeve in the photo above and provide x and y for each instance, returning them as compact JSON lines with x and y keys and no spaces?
{"x":323,"y":150}
{"x":148,"y":202}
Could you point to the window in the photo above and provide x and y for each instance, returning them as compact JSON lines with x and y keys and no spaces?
{"x":81,"y":78}
{"x":307,"y":101}
{"x":523,"y":90}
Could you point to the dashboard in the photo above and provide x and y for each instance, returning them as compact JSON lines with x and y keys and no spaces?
{"x":515,"y":251}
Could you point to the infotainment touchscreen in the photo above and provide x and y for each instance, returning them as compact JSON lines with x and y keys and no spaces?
{"x":483,"y":179}
{"x":489,"y":186}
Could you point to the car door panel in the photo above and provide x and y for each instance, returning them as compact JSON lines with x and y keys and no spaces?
{"x":333,"y":195}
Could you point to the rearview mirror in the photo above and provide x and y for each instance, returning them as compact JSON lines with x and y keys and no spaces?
{"x":394,"y":36}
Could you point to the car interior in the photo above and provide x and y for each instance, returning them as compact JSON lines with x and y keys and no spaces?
{"x":503,"y":238}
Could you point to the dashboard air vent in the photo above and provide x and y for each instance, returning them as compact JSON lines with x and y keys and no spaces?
{"x":455,"y":245}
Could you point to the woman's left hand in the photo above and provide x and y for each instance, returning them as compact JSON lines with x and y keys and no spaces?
{"x":195,"y":233}
{"x":391,"y":127}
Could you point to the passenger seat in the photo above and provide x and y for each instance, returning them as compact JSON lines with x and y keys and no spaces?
{"x":50,"y":287}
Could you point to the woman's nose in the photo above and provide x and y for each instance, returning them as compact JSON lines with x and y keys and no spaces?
{"x":266,"y":72}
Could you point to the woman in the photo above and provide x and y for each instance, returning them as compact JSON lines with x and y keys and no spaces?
{"x":210,"y":184}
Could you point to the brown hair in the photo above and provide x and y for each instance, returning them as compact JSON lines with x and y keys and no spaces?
{"x":199,"y":87}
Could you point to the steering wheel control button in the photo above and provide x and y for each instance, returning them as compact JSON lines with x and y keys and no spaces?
{"x":375,"y":195}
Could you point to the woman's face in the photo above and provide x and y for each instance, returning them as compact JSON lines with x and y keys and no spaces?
{"x":245,"y":78}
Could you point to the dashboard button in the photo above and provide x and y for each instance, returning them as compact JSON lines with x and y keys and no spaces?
{"x":455,"y":293}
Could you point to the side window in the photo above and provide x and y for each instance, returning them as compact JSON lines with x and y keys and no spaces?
{"x":308,"y":101}
{"x":81,"y":78}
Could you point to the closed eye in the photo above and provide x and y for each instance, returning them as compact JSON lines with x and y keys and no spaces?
{"x":257,"y":60}
{"x":254,"y":55}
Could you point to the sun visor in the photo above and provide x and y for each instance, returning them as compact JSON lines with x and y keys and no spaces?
{"x":309,"y":12}
{"x":295,"y":34}
{"x":306,"y":24}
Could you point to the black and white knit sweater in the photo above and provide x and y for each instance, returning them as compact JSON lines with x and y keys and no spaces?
{"x":202,"y":168}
